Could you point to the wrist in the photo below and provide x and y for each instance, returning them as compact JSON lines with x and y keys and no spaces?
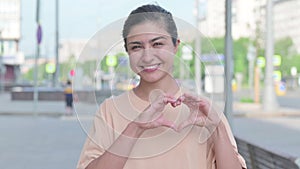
{"x":135,"y":129}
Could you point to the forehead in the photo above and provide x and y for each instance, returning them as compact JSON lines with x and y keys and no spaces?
{"x":147,"y":29}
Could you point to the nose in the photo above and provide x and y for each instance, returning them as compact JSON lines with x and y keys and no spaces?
{"x":147,"y":55}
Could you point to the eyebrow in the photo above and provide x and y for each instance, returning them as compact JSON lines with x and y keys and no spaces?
{"x":157,"y":38}
{"x":152,"y":40}
{"x":134,"y":42}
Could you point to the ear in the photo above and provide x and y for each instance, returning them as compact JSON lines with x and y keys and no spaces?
{"x":177,"y":45}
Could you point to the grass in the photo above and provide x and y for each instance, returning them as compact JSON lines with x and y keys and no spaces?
{"x":246,"y":100}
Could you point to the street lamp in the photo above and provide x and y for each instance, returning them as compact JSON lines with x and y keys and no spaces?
{"x":198,"y":49}
{"x":38,"y":42}
{"x":228,"y":61}
{"x":56,"y":74}
{"x":270,"y":103}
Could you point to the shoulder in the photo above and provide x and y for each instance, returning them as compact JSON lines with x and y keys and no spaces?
{"x":117,"y":107}
{"x":113,"y":100}
{"x":117,"y":97}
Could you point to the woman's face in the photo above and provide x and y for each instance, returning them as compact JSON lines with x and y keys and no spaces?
{"x":151,"y":51}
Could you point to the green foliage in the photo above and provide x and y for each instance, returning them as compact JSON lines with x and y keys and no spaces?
{"x":177,"y":61}
{"x":289,"y":58}
{"x":284,"y":46}
{"x":217,"y":46}
{"x":213,"y":45}
{"x":41,"y":73}
{"x":240,"y":50}
{"x":66,"y":67}
{"x":246,"y":100}
{"x":287,"y":63}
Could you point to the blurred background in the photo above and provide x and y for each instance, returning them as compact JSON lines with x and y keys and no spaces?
{"x":245,"y":54}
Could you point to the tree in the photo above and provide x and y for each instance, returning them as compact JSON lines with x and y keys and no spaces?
{"x":284,"y":47}
{"x":289,"y":58}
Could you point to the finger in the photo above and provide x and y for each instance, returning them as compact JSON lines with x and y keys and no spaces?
{"x":197,"y":121}
{"x":167,"y":123}
{"x":200,"y":121}
{"x":188,"y":99}
{"x":169,"y":96}
{"x":169,"y":100}
{"x":176,"y":103}
{"x":184,"y":125}
{"x":191,"y":97}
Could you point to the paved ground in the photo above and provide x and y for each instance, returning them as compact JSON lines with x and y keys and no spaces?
{"x":40,"y":137}
{"x":278,"y":134}
{"x":48,"y":108}
{"x":39,"y":142}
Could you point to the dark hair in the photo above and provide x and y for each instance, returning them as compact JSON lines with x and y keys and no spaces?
{"x":150,"y":13}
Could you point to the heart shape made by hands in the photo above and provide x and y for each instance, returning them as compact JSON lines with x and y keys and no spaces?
{"x":201,"y":111}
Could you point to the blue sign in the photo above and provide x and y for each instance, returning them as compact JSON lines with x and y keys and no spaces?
{"x":39,"y":34}
{"x":212,"y":57}
{"x":123,"y":61}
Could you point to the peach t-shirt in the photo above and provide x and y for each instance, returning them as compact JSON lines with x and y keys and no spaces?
{"x":156,"y":148}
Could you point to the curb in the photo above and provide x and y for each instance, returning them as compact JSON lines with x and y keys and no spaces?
{"x":48,"y":114}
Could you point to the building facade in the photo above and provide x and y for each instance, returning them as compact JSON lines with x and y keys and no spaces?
{"x":287,"y":21}
{"x":10,"y":33}
{"x":213,"y":21}
{"x":249,"y":19}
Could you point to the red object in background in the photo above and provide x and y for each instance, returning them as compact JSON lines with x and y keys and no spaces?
{"x":72,"y":72}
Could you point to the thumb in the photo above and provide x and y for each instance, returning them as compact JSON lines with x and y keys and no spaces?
{"x":167,"y":123}
{"x":198,"y":121}
{"x":184,"y":124}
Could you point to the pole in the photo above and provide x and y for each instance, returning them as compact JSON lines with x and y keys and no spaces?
{"x":1,"y":64}
{"x":228,"y":62}
{"x":257,"y":85}
{"x":56,"y":76}
{"x":39,"y":36}
{"x":270,"y":103}
{"x":197,"y":52}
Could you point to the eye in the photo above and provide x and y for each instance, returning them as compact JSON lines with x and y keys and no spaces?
{"x":158,"y":44}
{"x":135,"y":47}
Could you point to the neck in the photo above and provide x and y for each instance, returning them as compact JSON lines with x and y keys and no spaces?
{"x":144,"y":89}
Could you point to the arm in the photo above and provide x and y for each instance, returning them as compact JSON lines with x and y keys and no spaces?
{"x":204,"y":114}
{"x":124,"y":143}
{"x":226,"y":156}
{"x":117,"y":154}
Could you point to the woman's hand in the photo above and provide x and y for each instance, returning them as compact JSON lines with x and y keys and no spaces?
{"x":152,"y":116}
{"x":202,"y":113}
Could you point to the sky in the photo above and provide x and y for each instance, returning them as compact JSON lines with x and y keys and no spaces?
{"x":81,"y":19}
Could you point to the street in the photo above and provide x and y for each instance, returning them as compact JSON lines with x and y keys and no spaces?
{"x":279,"y":134}
{"x":291,"y":102}
{"x":30,"y":142}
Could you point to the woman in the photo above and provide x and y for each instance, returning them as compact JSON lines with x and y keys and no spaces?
{"x":69,"y":98}
{"x":157,"y":124}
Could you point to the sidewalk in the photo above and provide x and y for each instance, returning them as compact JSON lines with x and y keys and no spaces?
{"x":41,"y":108}
{"x":256,"y":110}
{"x":277,"y":131}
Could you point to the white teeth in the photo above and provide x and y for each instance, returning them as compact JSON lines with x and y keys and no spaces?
{"x":150,"y":67}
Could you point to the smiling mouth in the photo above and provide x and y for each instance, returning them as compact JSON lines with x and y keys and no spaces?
{"x":150,"y":68}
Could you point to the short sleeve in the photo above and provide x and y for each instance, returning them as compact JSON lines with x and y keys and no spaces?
{"x":99,"y":138}
{"x":210,"y":155}
{"x":233,"y":142}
